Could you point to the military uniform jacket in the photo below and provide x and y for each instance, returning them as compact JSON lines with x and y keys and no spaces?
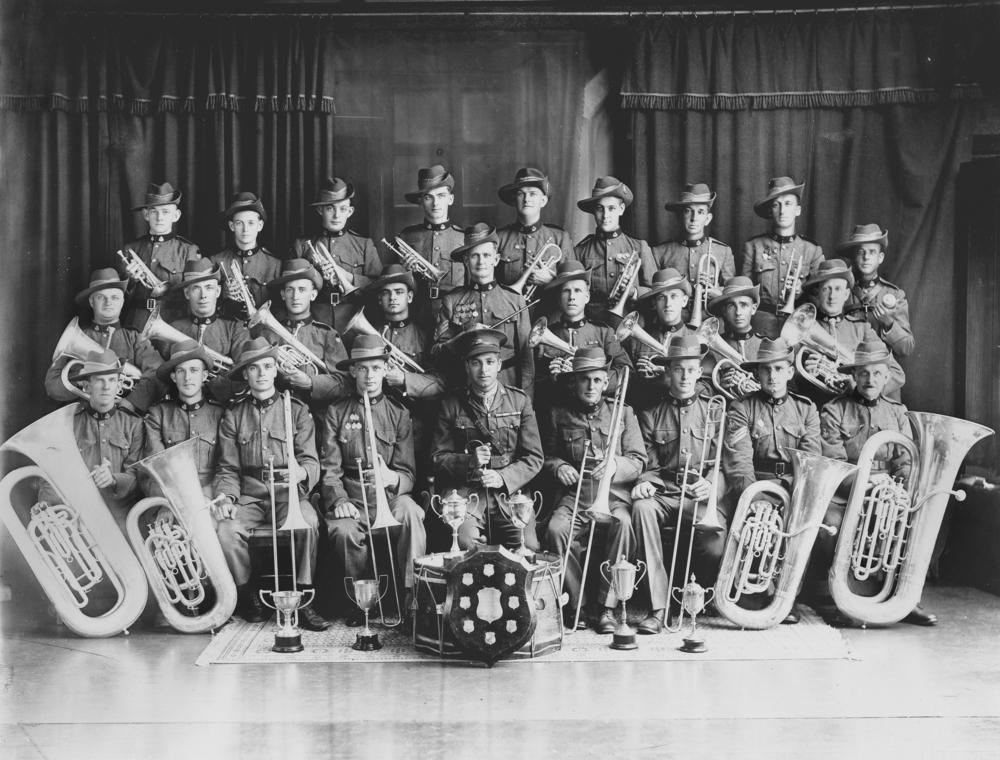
{"x":759,"y":429}
{"x":345,"y":440}
{"x":767,"y":259}
{"x":849,"y":335}
{"x":252,"y":431}
{"x":165,"y":255}
{"x":517,"y":447}
{"x":325,"y":343}
{"x":899,"y":337}
{"x":489,"y":304}
{"x":128,"y":346}
{"x":227,"y":336}
{"x":171,"y":422}
{"x":258,"y":266}
{"x":415,"y":343}
{"x":435,"y":242}
{"x":848,"y":421}
{"x":519,"y":244}
{"x":566,"y":433}
{"x":685,"y":255}
{"x":582,"y":334}
{"x":355,"y":253}
{"x":645,"y":392}
{"x":607,"y":253}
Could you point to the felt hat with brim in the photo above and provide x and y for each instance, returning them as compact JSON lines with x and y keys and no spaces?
{"x":243,"y":202}
{"x":198,"y":270}
{"x":865,"y":233}
{"x":606,"y":187}
{"x":430,"y":179}
{"x":734,"y":288}
{"x":255,"y":350}
{"x":570,"y":269}
{"x":104,"y":362}
{"x":777,"y":186}
{"x":771,"y":352}
{"x":295,"y":269}
{"x":185,"y":351}
{"x":477,"y":339}
{"x":333,"y":190}
{"x":868,"y":352}
{"x":696,"y":193}
{"x":101,"y":279}
{"x":829,"y":270}
{"x":664,"y":280}
{"x":477,"y":234}
{"x":365,"y":348}
{"x":589,"y":359}
{"x":158,"y":195}
{"x":526,"y":177}
{"x":392,"y":274}
{"x":682,"y":347}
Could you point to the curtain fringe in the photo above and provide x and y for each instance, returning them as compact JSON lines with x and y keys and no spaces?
{"x":638,"y":101}
{"x":168,"y":104}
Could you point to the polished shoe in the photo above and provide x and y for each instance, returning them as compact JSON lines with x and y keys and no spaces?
{"x":250,"y":607}
{"x":311,"y":620}
{"x":355,"y":619}
{"x":607,"y":622}
{"x":920,"y":616}
{"x":652,"y":623}
{"x":792,"y":617}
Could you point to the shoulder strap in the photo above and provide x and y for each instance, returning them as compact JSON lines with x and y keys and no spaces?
{"x":463,"y":401}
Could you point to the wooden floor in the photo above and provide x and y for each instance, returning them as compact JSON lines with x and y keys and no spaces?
{"x":911,"y":693}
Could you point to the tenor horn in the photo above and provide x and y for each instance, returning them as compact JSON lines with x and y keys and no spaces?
{"x":75,"y":344}
{"x":890,"y":542}
{"x":629,"y":328}
{"x":801,"y":332}
{"x":157,"y":329}
{"x":60,"y":541}
{"x":359,"y":325}
{"x":768,"y":546}
{"x":294,"y":351}
{"x":726,"y":356}
{"x":182,"y":558}
{"x":541,"y":335}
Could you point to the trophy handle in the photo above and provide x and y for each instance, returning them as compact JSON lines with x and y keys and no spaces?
{"x":436,"y":510}
{"x":709,"y":595}
{"x":263,"y":599}
{"x":606,"y":564}
{"x":538,"y":508}
{"x":311,"y":592}
{"x":349,"y":588}
{"x":641,"y":567}
{"x":502,"y":503}
{"x":473,"y":497}
{"x":673,"y":594}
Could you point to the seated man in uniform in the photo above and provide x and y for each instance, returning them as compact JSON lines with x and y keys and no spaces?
{"x":586,"y":419}
{"x":763,"y":426}
{"x":245,"y":218}
{"x":879,"y":302}
{"x":355,"y":253}
{"x":775,"y":258}
{"x":486,"y":441}
{"x":484,"y":300}
{"x":253,"y":437}
{"x":106,"y":297}
{"x":609,"y":251}
{"x":348,"y":468}
{"x":735,"y":307}
{"x":846,"y":423}
{"x":680,"y":447}
{"x":162,"y":250}
{"x":521,"y":240}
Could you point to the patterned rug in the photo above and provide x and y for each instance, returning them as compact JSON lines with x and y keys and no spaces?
{"x":812,"y":639}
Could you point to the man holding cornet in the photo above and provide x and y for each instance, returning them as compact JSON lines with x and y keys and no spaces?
{"x":247,"y":258}
{"x":694,"y":209}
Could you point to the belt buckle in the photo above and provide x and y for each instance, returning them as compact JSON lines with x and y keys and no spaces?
{"x":335,"y":299}
{"x":779,"y":468}
{"x":435,"y":292}
{"x":681,"y":477}
{"x":150,"y":304}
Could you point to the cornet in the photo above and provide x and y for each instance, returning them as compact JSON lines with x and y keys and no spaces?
{"x":157,"y":329}
{"x":136,"y":268}
{"x":413,"y":261}
{"x":538,"y":262}
{"x":359,"y":325}
{"x":75,"y":344}
{"x":236,"y":280}
{"x":742,"y":383}
{"x":326,"y":261}
{"x":709,"y":271}
{"x":626,"y":279}
{"x":790,"y":287}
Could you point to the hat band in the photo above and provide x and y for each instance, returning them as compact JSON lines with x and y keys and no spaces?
{"x":585,"y":365}
{"x":158,"y":198}
{"x":305,"y":274}
{"x":673,"y":283}
{"x":99,"y":283}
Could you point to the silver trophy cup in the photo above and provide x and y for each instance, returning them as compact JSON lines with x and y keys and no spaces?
{"x":624,"y":578}
{"x":287,"y":604}
{"x":365,"y":593}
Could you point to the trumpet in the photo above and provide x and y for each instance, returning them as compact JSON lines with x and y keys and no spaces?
{"x":326,"y":262}
{"x":626,"y":280}
{"x":538,"y":262}
{"x":790,"y":287}
{"x":709,"y":271}
{"x":294,"y":353}
{"x":59,"y":541}
{"x":359,"y":325}
{"x":157,"y":329}
{"x":136,"y":268}
{"x":742,"y":382}
{"x":75,"y":344}
{"x":414,"y":261}
{"x":800,"y":330}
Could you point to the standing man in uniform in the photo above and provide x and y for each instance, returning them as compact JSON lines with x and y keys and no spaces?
{"x":245,"y":218}
{"x":774,"y":257}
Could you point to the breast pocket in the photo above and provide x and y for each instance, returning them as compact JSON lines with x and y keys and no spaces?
{"x":118,"y":446}
{"x":509,"y":430}
{"x":386,"y":441}
{"x":666,"y":442}
{"x":465,"y":432}
{"x":574,"y":443}
{"x":352,"y":446}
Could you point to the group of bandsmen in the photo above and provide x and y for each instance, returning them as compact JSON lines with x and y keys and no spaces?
{"x":444,"y":377}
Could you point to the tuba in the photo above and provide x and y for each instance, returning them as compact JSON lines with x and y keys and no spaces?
{"x":59,"y":541}
{"x":294,"y":353}
{"x":538,"y":261}
{"x":414,"y":261}
{"x":709,"y":271}
{"x":768,"y":546}
{"x":181,"y":558}
{"x":801,"y":331}
{"x":888,"y":535}
{"x":76,"y":344}
{"x":359,"y":325}
{"x":726,"y":356}
{"x":157,"y":329}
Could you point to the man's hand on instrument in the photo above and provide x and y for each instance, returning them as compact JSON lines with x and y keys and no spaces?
{"x":297,"y":473}
{"x":541,"y":276}
{"x":729,"y":377}
{"x":560,"y":364}
{"x":700,"y":489}
{"x":811,"y":362}
{"x":567,"y":475}
{"x":232,"y":291}
{"x":102,"y":475}
{"x":326,"y":269}
{"x":346,"y":509}
{"x":603,"y":466}
{"x":877,"y":480}
{"x":296,"y":378}
{"x":645,"y":367}
{"x":389,"y":476}
{"x":883,"y":315}
{"x":394,"y":374}
{"x":491,"y":479}
{"x":643,"y":490}
{"x":223,"y":508}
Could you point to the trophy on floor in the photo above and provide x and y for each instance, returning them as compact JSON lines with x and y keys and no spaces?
{"x":624,"y":577}
{"x":364,"y":592}
{"x":453,"y":509}
{"x":520,"y":508}
{"x":693,"y":600}
{"x":287,"y":638}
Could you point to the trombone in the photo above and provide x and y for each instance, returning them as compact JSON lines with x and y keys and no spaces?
{"x":709,"y":270}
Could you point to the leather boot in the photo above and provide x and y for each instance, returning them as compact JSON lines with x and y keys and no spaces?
{"x":249,"y":606}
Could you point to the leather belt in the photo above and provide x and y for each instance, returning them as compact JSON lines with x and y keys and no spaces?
{"x":679,"y":476}
{"x":264,"y":473}
{"x":777,"y":467}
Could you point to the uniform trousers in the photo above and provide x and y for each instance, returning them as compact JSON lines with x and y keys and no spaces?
{"x":235,"y":533}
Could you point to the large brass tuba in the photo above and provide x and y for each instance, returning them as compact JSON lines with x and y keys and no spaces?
{"x":75,"y":344}
{"x":882,"y":537}
{"x":768,"y":547}
{"x":72,"y":550}
{"x":182,"y":558}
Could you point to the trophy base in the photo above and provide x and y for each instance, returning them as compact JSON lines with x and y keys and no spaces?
{"x":624,"y":638}
{"x":367,"y":643}
{"x":287,"y":643}
{"x":693,"y":645}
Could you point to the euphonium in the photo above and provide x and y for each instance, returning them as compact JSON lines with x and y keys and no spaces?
{"x":294,"y":353}
{"x":879,"y":537}
{"x":184,"y":557}
{"x":413,"y":261}
{"x":768,"y":546}
{"x":801,"y":332}
{"x":790,"y":287}
{"x":538,"y":262}
{"x":726,"y":356}
{"x":76,"y":344}
{"x":157,"y":329}
{"x":541,"y":335}
{"x":59,"y":541}
{"x":707,"y":280}
{"x":359,"y":325}
{"x":143,"y":274}
{"x":323,"y":259}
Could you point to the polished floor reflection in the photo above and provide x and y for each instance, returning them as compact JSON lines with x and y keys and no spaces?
{"x":911,"y":692}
